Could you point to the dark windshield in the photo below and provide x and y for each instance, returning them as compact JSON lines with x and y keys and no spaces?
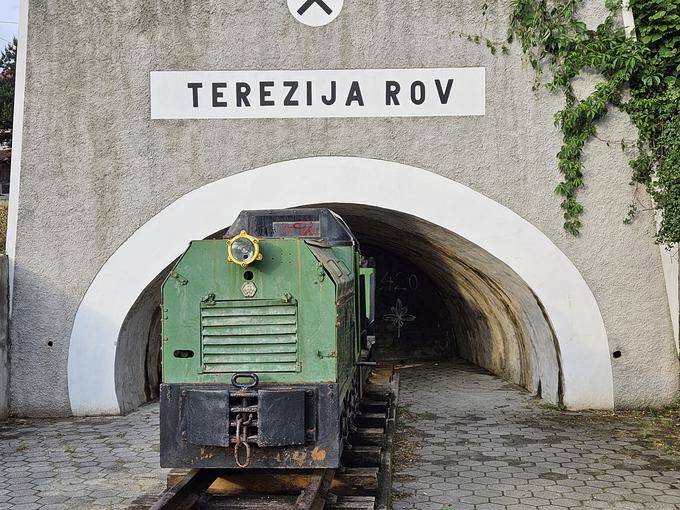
{"x":321,"y":225}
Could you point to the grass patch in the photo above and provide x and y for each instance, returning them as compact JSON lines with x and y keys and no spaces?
{"x":660,"y":427}
{"x":553,"y":407}
{"x":655,"y":427}
{"x":408,"y":438}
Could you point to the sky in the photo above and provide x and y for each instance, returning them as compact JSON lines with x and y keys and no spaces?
{"x":9,"y":16}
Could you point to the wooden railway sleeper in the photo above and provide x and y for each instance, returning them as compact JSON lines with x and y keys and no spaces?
{"x":185,"y":494}
{"x":314,"y":496}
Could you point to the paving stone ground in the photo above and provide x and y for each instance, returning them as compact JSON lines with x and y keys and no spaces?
{"x":468,"y":440}
{"x":80,"y":463}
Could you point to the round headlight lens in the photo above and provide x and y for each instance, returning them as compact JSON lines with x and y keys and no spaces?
{"x":243,"y":249}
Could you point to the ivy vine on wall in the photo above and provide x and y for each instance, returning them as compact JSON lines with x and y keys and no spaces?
{"x":560,"y":46}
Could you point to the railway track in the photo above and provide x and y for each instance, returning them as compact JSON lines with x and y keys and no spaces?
{"x":361,"y":484}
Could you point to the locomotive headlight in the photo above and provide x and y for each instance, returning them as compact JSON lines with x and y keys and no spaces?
{"x":243,"y":249}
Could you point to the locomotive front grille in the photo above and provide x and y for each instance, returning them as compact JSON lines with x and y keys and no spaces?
{"x":249,"y":336}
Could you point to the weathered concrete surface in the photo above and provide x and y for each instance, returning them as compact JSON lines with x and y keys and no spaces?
{"x":4,"y":339}
{"x":489,"y":446}
{"x":87,"y":129}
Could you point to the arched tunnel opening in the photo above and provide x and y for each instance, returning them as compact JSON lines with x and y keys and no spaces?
{"x":438,"y":297}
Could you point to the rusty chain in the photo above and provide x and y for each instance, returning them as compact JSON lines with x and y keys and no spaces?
{"x":242,"y":439}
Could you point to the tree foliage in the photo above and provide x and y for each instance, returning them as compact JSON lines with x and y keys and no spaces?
{"x":556,"y":41}
{"x":8,"y":59}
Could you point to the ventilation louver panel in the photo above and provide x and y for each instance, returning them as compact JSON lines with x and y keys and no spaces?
{"x":249,"y":336}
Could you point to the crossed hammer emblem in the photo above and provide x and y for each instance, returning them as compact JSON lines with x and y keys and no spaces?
{"x":304,"y":7}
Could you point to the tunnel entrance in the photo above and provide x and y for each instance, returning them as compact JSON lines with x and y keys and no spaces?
{"x":520,"y":307}
{"x":439,"y":297}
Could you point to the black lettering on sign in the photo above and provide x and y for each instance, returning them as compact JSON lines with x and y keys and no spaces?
{"x":444,"y":94}
{"x":293,"y":86}
{"x":417,"y":97}
{"x":392,"y":88}
{"x":354,"y":94}
{"x":217,"y":95}
{"x":309,"y":93}
{"x":265,"y":93}
{"x":330,"y":100}
{"x":194,"y":92}
{"x":242,"y":91}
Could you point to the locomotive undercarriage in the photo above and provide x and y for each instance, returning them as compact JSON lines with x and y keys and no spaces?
{"x":271,"y":426}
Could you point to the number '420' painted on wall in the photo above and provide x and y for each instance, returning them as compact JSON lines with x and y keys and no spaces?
{"x":399,"y":282}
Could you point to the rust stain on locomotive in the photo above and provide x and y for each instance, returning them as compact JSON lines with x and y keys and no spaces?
{"x":318,"y":455}
{"x":299,"y":457}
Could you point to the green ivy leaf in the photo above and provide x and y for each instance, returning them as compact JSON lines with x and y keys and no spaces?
{"x":554,"y":40}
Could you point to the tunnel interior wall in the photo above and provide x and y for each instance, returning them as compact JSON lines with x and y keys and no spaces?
{"x":137,"y":365}
{"x":494,"y":319}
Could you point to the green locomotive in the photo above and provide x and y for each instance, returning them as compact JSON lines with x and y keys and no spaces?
{"x":264,"y":336}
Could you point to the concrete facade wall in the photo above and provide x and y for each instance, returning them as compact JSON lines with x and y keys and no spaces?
{"x":94,"y":167}
{"x":4,"y":339}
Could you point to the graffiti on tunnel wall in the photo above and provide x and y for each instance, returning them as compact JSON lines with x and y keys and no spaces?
{"x":411,"y":319}
{"x":398,"y":316}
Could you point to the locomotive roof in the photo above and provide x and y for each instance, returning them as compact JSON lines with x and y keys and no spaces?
{"x":314,"y":224}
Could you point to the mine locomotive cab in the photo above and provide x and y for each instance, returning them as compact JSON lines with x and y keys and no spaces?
{"x":262,"y":334}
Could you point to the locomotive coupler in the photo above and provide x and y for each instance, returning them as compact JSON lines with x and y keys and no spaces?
{"x":242,"y":424}
{"x":242,"y":440}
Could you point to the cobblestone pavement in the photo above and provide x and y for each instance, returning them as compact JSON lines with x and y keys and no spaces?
{"x":467,"y":440}
{"x":80,"y":463}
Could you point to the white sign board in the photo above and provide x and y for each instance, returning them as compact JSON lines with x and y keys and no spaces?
{"x":315,"y":13}
{"x":433,"y":92}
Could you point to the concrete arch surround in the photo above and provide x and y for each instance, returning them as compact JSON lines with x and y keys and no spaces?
{"x":568,"y":302}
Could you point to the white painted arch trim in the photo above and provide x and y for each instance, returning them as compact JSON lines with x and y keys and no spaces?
{"x":17,"y":144}
{"x":567,"y":300}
